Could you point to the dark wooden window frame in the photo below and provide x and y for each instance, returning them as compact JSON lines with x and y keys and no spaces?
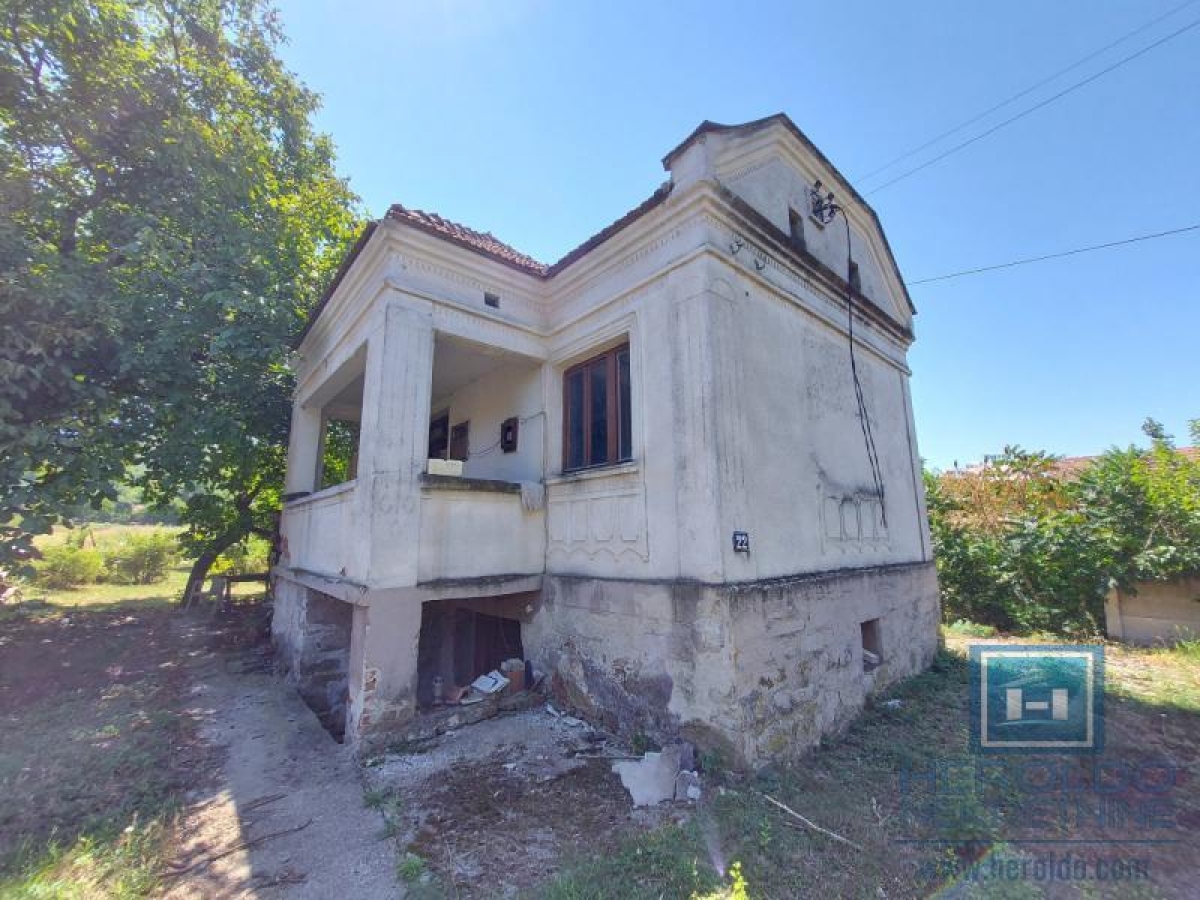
{"x":460,"y":441}
{"x":439,"y":434}
{"x":613,"y":415}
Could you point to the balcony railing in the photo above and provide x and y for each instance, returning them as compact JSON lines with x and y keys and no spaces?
{"x":475,"y":528}
{"x":470,"y":528}
{"x":319,"y":530}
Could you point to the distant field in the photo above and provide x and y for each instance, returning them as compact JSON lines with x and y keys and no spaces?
{"x":105,"y":535}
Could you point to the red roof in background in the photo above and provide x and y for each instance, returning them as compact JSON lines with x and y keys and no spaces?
{"x":1073,"y":466}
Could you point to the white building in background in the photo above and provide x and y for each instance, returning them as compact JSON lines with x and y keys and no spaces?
{"x":666,"y":498}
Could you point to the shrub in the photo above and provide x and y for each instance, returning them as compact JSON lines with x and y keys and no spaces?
{"x":142,"y":558}
{"x":249,"y":557}
{"x":67,"y":566}
{"x":1022,"y":548}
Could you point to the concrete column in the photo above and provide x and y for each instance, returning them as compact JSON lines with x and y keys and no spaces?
{"x":695,"y":430}
{"x":393,"y":443}
{"x":304,"y":450}
{"x":383,"y":668}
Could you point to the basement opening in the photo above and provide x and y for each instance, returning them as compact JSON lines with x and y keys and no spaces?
{"x":461,"y":640}
{"x":872,"y":648}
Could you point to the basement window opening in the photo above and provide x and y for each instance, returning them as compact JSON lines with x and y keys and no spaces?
{"x":872,"y":647}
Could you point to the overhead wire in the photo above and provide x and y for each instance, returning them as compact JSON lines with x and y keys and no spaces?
{"x":1032,"y":109}
{"x":1034,"y":259}
{"x":1027,"y":91}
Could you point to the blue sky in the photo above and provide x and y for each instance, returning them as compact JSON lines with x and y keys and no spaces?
{"x":544,"y":120}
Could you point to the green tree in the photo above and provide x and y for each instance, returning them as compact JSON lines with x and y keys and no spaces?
{"x":168,"y":218}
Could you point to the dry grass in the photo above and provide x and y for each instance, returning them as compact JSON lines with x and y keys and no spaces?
{"x":98,"y":749}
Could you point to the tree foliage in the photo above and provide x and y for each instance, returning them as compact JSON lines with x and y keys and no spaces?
{"x":168,"y":218}
{"x":1025,"y":547}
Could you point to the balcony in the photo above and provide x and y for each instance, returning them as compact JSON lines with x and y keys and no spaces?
{"x":388,"y":524}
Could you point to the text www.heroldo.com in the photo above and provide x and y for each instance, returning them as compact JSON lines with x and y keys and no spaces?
{"x":1052,"y":867}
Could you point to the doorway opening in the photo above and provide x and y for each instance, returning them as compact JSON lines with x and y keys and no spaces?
{"x":463,"y":639}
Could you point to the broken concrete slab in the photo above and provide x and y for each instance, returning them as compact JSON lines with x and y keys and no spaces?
{"x":651,"y":779}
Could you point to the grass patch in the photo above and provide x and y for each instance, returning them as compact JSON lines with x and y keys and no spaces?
{"x":966,"y":628}
{"x":162,"y":593}
{"x":669,"y":862}
{"x":1166,"y":677}
{"x":410,"y":868}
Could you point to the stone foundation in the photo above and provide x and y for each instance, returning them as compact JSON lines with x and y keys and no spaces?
{"x":754,"y":672}
{"x":312,"y":635}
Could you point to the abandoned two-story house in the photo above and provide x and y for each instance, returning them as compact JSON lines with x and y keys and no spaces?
{"x":676,"y":469}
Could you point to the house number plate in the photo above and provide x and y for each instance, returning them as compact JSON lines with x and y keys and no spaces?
{"x":741,"y":542}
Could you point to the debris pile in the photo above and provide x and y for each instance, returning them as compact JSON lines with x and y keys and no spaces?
{"x":668,"y":774}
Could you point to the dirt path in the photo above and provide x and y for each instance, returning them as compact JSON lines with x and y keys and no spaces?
{"x":287,"y":794}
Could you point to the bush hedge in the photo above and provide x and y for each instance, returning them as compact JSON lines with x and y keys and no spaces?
{"x":1024,"y":546}
{"x":142,"y":558}
{"x":67,"y":566}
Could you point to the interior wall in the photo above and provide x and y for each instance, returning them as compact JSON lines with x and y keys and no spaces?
{"x":510,"y":390}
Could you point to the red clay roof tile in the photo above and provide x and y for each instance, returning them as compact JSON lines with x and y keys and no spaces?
{"x":481,"y":241}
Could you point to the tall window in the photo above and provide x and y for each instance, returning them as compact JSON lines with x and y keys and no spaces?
{"x":596,"y":411}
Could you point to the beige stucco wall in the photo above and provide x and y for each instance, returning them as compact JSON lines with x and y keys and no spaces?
{"x":1157,"y":612}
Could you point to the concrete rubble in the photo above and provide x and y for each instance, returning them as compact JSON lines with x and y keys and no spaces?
{"x":660,"y":776}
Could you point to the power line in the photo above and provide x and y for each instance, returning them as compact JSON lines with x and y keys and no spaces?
{"x":1036,"y":107}
{"x":1077,"y":250}
{"x":1029,"y":90}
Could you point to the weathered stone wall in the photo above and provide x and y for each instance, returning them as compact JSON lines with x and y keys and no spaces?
{"x":312,"y":631}
{"x":798,"y":650}
{"x":640,"y":657}
{"x":756,"y":671}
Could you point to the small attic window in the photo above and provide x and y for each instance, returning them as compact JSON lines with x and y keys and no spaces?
{"x":796,"y":229}
{"x":855,"y":277}
{"x":492,"y":300}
